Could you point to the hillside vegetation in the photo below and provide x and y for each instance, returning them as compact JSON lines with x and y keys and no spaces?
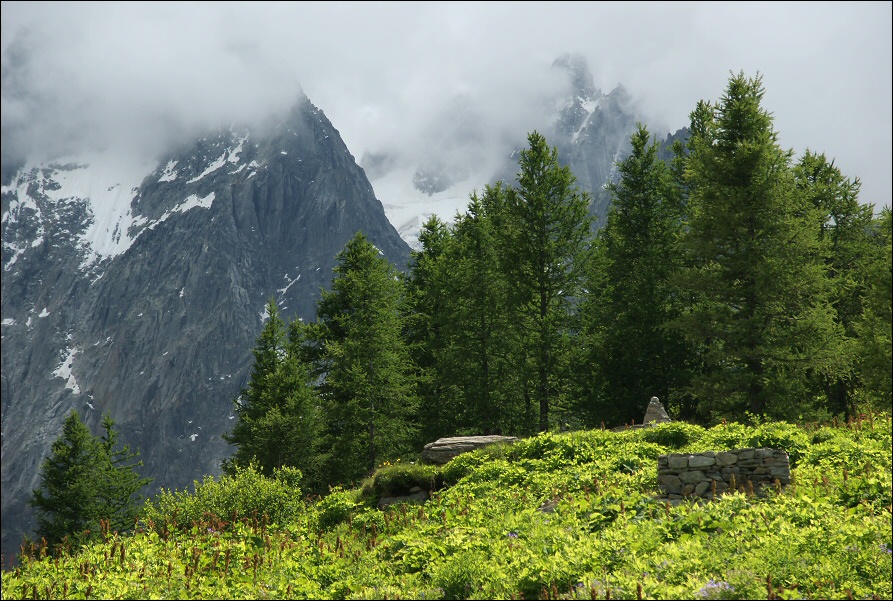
{"x":555,"y":516}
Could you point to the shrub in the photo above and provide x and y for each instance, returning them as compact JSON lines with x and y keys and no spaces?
{"x":673,"y":435}
{"x":245,"y":494}
{"x":335,"y":507}
{"x":396,"y":480}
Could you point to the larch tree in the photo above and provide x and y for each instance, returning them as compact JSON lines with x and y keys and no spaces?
{"x":481,"y":359}
{"x":845,"y":227}
{"x":549,"y":229}
{"x":637,"y":357}
{"x":279,"y":419}
{"x":762,"y":317}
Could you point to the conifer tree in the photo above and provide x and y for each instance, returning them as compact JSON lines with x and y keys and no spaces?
{"x":549,"y":234}
{"x":425,"y":329}
{"x":875,"y":327}
{"x":279,"y":420}
{"x":481,"y":360}
{"x":845,"y":232}
{"x":631,"y":299}
{"x":368,"y":389}
{"x":85,"y":482}
{"x":762,"y":316}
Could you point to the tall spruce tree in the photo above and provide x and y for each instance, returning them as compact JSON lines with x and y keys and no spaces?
{"x":762,"y":317}
{"x":549,"y":233}
{"x":635,"y":356}
{"x":368,"y":390}
{"x":279,"y":420}
{"x":87,"y":483}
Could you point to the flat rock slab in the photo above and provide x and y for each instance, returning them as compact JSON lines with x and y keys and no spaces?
{"x":444,"y":449}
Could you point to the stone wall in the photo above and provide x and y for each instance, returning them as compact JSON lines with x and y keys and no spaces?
{"x":706,"y":475}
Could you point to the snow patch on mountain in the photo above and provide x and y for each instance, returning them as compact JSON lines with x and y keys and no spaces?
{"x":105,"y":184}
{"x":64,"y":371}
{"x":408,"y":209}
{"x":589,"y":105}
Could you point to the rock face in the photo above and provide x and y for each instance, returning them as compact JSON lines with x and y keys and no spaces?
{"x":444,"y":449}
{"x":591,"y":131}
{"x":143,"y":297}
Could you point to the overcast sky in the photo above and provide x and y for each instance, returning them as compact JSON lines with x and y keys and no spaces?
{"x":384,"y":73}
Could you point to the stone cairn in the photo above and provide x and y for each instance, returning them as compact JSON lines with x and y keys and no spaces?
{"x":710,"y":474}
{"x":655,"y":414}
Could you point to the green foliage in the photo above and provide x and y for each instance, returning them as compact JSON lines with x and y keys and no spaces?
{"x":760,"y":314}
{"x":673,"y":435}
{"x":88,"y":485}
{"x":398,"y":479}
{"x":279,"y":422}
{"x":368,"y":389}
{"x":244,"y":494}
{"x":335,"y":507}
{"x":552,"y":516}
{"x":776,"y":435}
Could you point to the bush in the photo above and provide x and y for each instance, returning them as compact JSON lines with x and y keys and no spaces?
{"x":774,"y":435}
{"x":335,"y":507}
{"x":673,"y":435}
{"x":397,"y":480}
{"x":245,"y":494}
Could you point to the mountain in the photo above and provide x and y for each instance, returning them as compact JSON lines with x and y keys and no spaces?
{"x":138,"y":289}
{"x":591,"y":130}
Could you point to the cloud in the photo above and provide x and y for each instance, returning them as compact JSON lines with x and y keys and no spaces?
{"x":395,"y":75}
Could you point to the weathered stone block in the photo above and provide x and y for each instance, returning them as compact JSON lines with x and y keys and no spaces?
{"x":669,"y":479}
{"x":444,"y":449}
{"x":724,"y":458}
{"x":692,"y":477}
{"x":678,"y":461}
{"x":700,"y":461}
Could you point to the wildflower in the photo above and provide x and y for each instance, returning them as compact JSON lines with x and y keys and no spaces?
{"x":512,"y":534}
{"x":714,"y":589}
{"x":886,"y":548}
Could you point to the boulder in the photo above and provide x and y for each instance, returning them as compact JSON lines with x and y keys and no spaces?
{"x":444,"y":449}
{"x":655,"y":413}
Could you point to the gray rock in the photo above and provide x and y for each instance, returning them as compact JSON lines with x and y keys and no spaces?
{"x":160,"y":336}
{"x":678,"y":462}
{"x":723,"y":458}
{"x":655,"y":413}
{"x":700,"y":461}
{"x":692,"y":477}
{"x":415,"y":498}
{"x":444,"y":449}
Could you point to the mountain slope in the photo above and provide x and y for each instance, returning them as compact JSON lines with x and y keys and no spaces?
{"x":139,"y":289}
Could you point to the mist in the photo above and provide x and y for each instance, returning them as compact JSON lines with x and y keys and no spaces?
{"x":398,"y":78}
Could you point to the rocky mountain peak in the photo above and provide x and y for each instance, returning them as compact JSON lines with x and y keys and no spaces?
{"x":138,"y":289}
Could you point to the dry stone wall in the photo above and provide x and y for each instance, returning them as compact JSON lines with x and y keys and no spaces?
{"x":709,"y":474}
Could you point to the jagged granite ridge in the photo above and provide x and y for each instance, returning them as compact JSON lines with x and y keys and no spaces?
{"x":156,"y":325}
